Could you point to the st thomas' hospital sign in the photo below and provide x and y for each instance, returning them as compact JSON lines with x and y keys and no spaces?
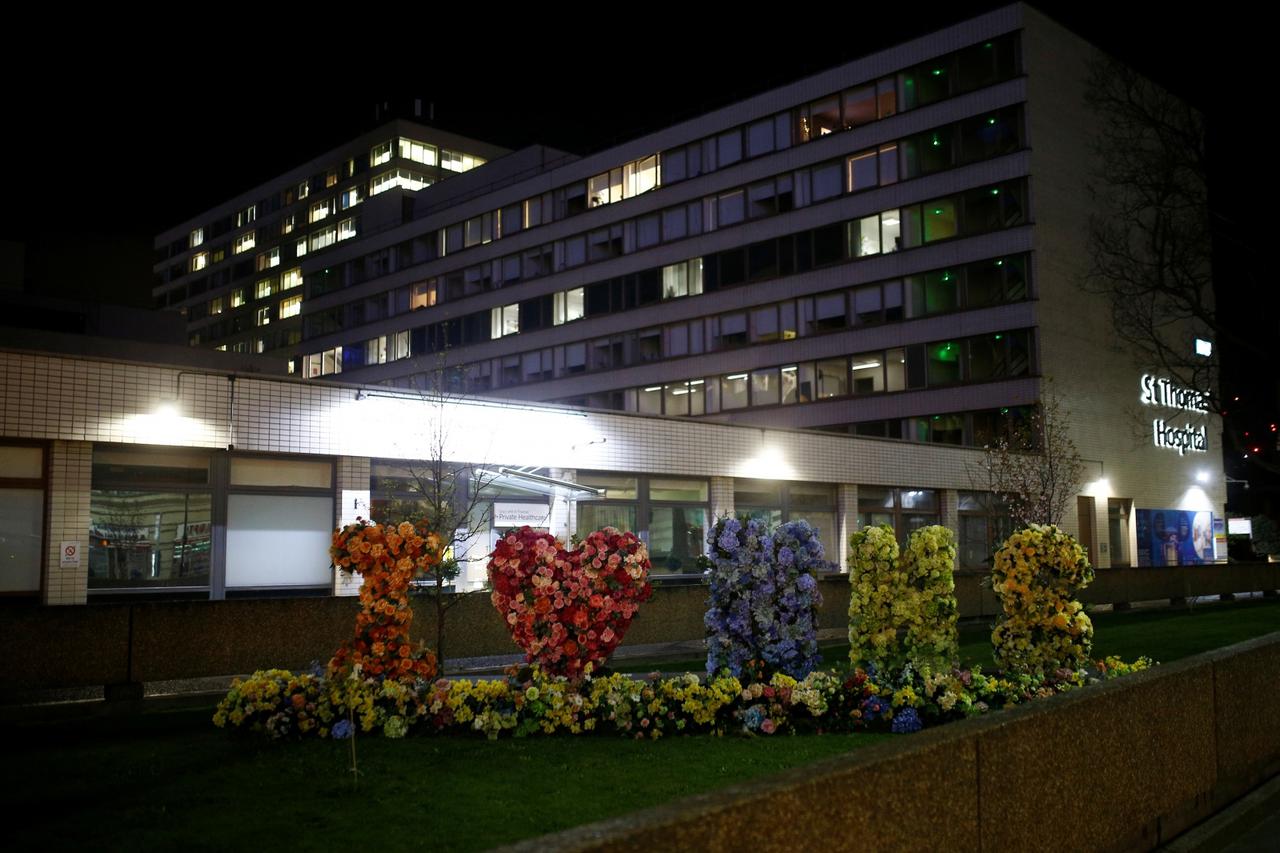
{"x":1163,"y":393}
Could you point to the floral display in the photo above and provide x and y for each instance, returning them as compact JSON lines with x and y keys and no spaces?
{"x":929,"y":610}
{"x":387,"y":558}
{"x":877,"y":584}
{"x":902,"y":607}
{"x":529,"y":701}
{"x":1043,"y":628}
{"x":568,"y":610}
{"x":762,"y":611}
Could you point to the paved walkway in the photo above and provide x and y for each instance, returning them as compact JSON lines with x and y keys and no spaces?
{"x":1249,"y":825}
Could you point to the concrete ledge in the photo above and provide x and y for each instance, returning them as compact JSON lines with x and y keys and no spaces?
{"x":1123,"y":765}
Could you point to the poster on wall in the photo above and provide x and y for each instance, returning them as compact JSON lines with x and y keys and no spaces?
{"x":1175,"y":537}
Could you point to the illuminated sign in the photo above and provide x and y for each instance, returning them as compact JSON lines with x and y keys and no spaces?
{"x":1162,"y":392}
{"x":1185,"y":438}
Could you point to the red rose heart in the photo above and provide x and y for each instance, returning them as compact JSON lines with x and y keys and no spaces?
{"x":568,"y":608}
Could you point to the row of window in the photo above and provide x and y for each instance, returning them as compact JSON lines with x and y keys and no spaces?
{"x":972,"y":212}
{"x":894,"y":229}
{"x":965,"y":429}
{"x":983,"y":358}
{"x":976,"y":285}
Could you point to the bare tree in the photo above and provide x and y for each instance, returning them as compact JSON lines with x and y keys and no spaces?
{"x":446,"y":495}
{"x":1035,"y":466}
{"x":1149,"y":236}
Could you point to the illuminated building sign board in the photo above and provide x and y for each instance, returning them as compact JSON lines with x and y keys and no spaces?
{"x":1185,"y":438}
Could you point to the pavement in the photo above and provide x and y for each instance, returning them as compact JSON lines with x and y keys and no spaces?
{"x":1249,"y":825}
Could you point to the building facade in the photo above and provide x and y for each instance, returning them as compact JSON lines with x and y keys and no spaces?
{"x":819,"y":302}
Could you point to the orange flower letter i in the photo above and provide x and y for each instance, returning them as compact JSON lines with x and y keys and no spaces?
{"x":387,"y":558}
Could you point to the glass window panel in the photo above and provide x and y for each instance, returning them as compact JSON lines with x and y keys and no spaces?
{"x":617,"y":486}
{"x":764,"y":323}
{"x":944,"y":362}
{"x":824,"y":117}
{"x":733,"y":391}
{"x":890,"y":231}
{"x":765,"y":387}
{"x":22,"y":463}
{"x":895,"y":366}
{"x":940,"y":220}
{"x":920,"y":500}
{"x":947,"y":429}
{"x":674,"y":223}
{"x":275,"y":540}
{"x":152,"y":539}
{"x":888,"y":164}
{"x":833,"y":378}
{"x":21,"y":529}
{"x":131,"y":466}
{"x":873,"y":498}
{"x":730,"y":147}
{"x":649,"y":400}
{"x":868,"y":373}
{"x":790,"y":384}
{"x":760,"y":138}
{"x":731,"y":208}
{"x":757,"y":493}
{"x":865,"y":236}
{"x":594,"y":516}
{"x":859,"y":106}
{"x":261,"y":471}
{"x":867,"y":304}
{"x":826,"y":181}
{"x":670,"y":489}
{"x":941,"y":291}
{"x":811,"y":495}
{"x":862,"y":171}
{"x":676,"y":538}
{"x":675,"y":398}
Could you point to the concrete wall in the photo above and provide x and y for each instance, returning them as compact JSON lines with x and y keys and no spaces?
{"x":99,"y":644}
{"x":1121,"y":766}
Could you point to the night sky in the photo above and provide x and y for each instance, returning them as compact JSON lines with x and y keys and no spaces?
{"x":113,"y":138}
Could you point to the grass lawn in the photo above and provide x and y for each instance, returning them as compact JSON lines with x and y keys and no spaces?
{"x":187,"y":785}
{"x":169,"y":780}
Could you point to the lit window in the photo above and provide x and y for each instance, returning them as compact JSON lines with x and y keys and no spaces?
{"x":199,"y":261}
{"x":320,"y":210}
{"x":330,"y":178}
{"x":380,"y":154}
{"x":682,"y":279}
{"x":329,"y":361}
{"x":197,"y":237}
{"x":1204,"y":348}
{"x":349,"y":198}
{"x":215,"y":305}
{"x":568,"y":305}
{"x":349,"y":168}
{"x":456,"y":161}
{"x":291,"y":307}
{"x":237,"y":297}
{"x":246,"y":216}
{"x":386,"y":348}
{"x":398,"y":178}
{"x":260,"y":345}
{"x":219,"y":255}
{"x":290,"y":279}
{"x":300,"y":248}
{"x":244,"y":242}
{"x":287,"y":224}
{"x":304,"y":190}
{"x":268,"y":260}
{"x":263,"y":316}
{"x":636,"y":177}
{"x":422,"y":295}
{"x":418,"y":152}
{"x":346,"y":229}
{"x":504,"y":320}
{"x":263,"y":289}
{"x":323,"y":237}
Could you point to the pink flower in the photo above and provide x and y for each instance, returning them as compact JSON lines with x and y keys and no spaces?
{"x":768,"y":726}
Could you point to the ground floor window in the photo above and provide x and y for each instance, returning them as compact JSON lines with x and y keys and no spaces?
{"x":22,"y":490}
{"x":984,"y":525}
{"x":903,"y":509}
{"x":669,"y":513}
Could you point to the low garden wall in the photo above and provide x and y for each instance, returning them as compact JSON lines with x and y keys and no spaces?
{"x":1124,"y":765}
{"x":121,"y":643}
